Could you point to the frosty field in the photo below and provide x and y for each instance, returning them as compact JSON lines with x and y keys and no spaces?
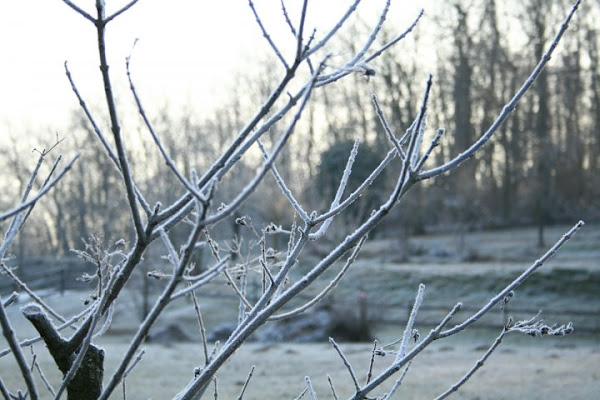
{"x":523,"y":367}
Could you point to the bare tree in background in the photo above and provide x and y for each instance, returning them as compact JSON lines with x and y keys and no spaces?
{"x":305,"y":70}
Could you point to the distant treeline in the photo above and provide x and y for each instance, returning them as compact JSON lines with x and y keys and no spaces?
{"x":542,"y":167}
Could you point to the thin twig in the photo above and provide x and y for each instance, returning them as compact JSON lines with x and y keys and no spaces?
{"x":11,"y":339}
{"x":327,"y":289}
{"x":333,"y":392}
{"x":246,"y":383}
{"x":168,"y":160}
{"x":398,"y":382}
{"x":80,"y":11}
{"x":200,"y":326}
{"x":386,"y":127}
{"x":41,"y":193}
{"x":311,"y":390}
{"x":121,"y":11}
{"x":287,"y":18}
{"x":475,"y":367}
{"x":516,"y":283}
{"x":371,"y":363}
{"x":302,"y":393}
{"x":333,"y":30}
{"x":286,"y":191}
{"x":346,"y":363}
{"x":36,"y":365}
{"x":434,"y":334}
{"x":411,"y":322}
{"x":109,"y":151}
{"x":340,"y":190}
{"x":115,"y":124}
{"x":267,"y":36}
{"x":508,"y":108}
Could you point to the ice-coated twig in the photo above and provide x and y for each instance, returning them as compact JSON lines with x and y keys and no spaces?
{"x":163,"y":300}
{"x":115,"y":122}
{"x":371,"y":363}
{"x":266,"y":166}
{"x":302,"y":393}
{"x":4,"y":391}
{"x":267,"y":36}
{"x":173,"y":256}
{"x":168,"y":160}
{"x":327,"y":289}
{"x":200,"y":325}
{"x":475,"y":367}
{"x":36,"y":365}
{"x":333,"y":392}
{"x":398,"y":382}
{"x":351,"y":9}
{"x":341,"y":72}
{"x":284,"y":189}
{"x":311,"y":391}
{"x":508,"y":108}
{"x":41,"y":192}
{"x":398,"y":38}
{"x":240,"y":397}
{"x":352,"y":197}
{"x":11,"y":339}
{"x":411,"y":322}
{"x":346,"y":363}
{"x":300,"y":35}
{"x":287,"y":18}
{"x":237,"y":290}
{"x":434,"y":143}
{"x":359,"y":55}
{"x":386,"y":127}
{"x":87,"y":341}
{"x":107,"y":147}
{"x":397,"y":365}
{"x":135,"y":362}
{"x":121,"y":11}
{"x":516,"y":283}
{"x":80,"y":11}
{"x":10,"y":299}
{"x":23,"y":286}
{"x":340,"y":191}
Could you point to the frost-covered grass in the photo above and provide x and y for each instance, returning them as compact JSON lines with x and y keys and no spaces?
{"x":552,"y":368}
{"x":523,"y":367}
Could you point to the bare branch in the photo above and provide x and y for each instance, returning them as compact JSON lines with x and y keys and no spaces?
{"x":246,"y":383}
{"x":107,"y":147}
{"x":115,"y":124}
{"x":346,"y":363}
{"x":41,"y":193}
{"x":286,"y":191}
{"x":170,"y":163}
{"x":121,"y":11}
{"x":475,"y":367}
{"x":267,"y":36}
{"x":80,"y":11}
{"x":333,"y":30}
{"x":327,"y":289}
{"x":508,"y":108}
{"x":516,"y":283}
{"x":411,"y":322}
{"x":339,"y":192}
{"x":11,"y":339}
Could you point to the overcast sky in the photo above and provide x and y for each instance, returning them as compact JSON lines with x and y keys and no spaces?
{"x":187,"y":49}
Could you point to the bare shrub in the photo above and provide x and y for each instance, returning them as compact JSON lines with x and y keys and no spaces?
{"x":198,"y":214}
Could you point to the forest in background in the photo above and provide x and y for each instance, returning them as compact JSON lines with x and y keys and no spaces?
{"x":541,"y":168}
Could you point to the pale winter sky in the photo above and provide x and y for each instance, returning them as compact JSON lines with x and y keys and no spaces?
{"x":187,"y":50}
